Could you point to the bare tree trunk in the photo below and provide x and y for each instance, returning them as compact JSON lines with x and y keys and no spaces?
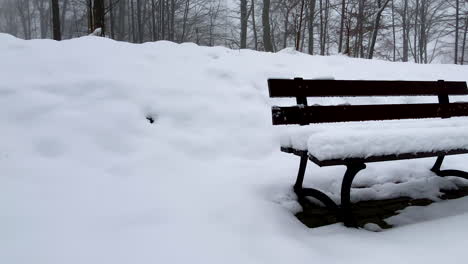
{"x":56,"y":20}
{"x":243,"y":20}
{"x":285,"y":37}
{"x":172,"y":34}
{"x":254,"y":26}
{"x":168,"y":20}
{"x":370,"y":53}
{"x":325,"y":27}
{"x":62,"y":16}
{"x":98,"y":16}
{"x":184,"y":25}
{"x":132,"y":10}
{"x":360,"y":29}
{"x":111,"y":19}
{"x":311,"y":25}
{"x":267,"y":45}
{"x":298,"y":34}
{"x":393,"y":30}
{"x":153,"y":20}
{"x":121,"y":20}
{"x":163,"y":19}
{"x":422,"y":33}
{"x":462,"y":59}
{"x":139,"y":22}
{"x":457,"y":25}
{"x":322,"y":28}
{"x":343,"y":13}
{"x":405,"y":31}
{"x":90,"y":16}
{"x":415,"y":53}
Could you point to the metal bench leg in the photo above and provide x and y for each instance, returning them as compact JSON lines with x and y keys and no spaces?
{"x":303,"y":192}
{"x":351,"y":171}
{"x":443,"y":173}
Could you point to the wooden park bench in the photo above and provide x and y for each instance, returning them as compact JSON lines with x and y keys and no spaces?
{"x":325,"y":149}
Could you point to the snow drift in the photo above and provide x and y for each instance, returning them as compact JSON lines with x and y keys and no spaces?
{"x":85,"y":178}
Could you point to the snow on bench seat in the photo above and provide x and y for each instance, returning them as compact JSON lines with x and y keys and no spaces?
{"x":367,"y":139}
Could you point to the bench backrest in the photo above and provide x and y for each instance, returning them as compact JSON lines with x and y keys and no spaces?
{"x":303,"y":114}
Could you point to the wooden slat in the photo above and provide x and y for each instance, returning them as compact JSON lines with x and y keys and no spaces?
{"x":329,"y":88}
{"x":344,"y":113}
{"x":404,"y":156}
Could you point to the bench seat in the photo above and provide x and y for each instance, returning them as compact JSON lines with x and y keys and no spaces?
{"x":333,"y":144}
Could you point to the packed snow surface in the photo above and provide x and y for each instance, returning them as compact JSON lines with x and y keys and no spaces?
{"x":85,"y":178}
{"x":366,"y":139}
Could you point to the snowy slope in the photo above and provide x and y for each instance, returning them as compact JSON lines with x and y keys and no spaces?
{"x":84,"y":178}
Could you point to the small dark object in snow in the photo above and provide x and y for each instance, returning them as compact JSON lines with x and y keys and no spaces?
{"x":150,"y":119}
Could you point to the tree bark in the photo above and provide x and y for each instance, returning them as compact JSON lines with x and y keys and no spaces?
{"x":98,"y":16}
{"x":111,"y":19}
{"x":56,"y":20}
{"x":311,"y":25}
{"x":343,"y":12}
{"x":298,"y":34}
{"x":267,"y":45}
{"x":415,"y":53}
{"x":139,"y":22}
{"x":376,"y":28}
{"x":393,"y":30}
{"x":457,"y":25}
{"x":405,"y":31}
{"x":243,"y":20}
{"x":254,"y":25}
{"x":462,"y":59}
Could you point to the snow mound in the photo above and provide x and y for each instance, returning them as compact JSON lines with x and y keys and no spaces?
{"x":85,"y":178}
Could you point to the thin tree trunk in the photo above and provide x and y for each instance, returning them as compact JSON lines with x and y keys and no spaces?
{"x":462,"y":59}
{"x":153,"y":20}
{"x":98,"y":16}
{"x":415,"y":53}
{"x":184,"y":24}
{"x":62,"y":16}
{"x":376,"y":28}
{"x":393,"y":30}
{"x":311,"y":25}
{"x":121,"y":20}
{"x":90,"y":16}
{"x":243,"y":20}
{"x":163,"y":19}
{"x":457,"y":25}
{"x":360,"y":29}
{"x":172,"y":34}
{"x":343,"y":12}
{"x":254,"y":26}
{"x":405,"y":31}
{"x":132,"y":10}
{"x":56,"y":20}
{"x":325,"y":33}
{"x":322,"y":48}
{"x":422,"y":33}
{"x":267,"y":45}
{"x":111,"y":19}
{"x":139,"y":21}
{"x":298,"y":35}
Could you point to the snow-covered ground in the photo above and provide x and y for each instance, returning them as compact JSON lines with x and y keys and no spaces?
{"x":84,"y":178}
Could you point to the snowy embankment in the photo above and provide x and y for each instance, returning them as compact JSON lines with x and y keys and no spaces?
{"x":84,"y":178}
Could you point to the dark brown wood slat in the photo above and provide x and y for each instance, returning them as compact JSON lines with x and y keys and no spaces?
{"x":351,"y":88}
{"x":404,"y":156}
{"x":347,"y":113}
